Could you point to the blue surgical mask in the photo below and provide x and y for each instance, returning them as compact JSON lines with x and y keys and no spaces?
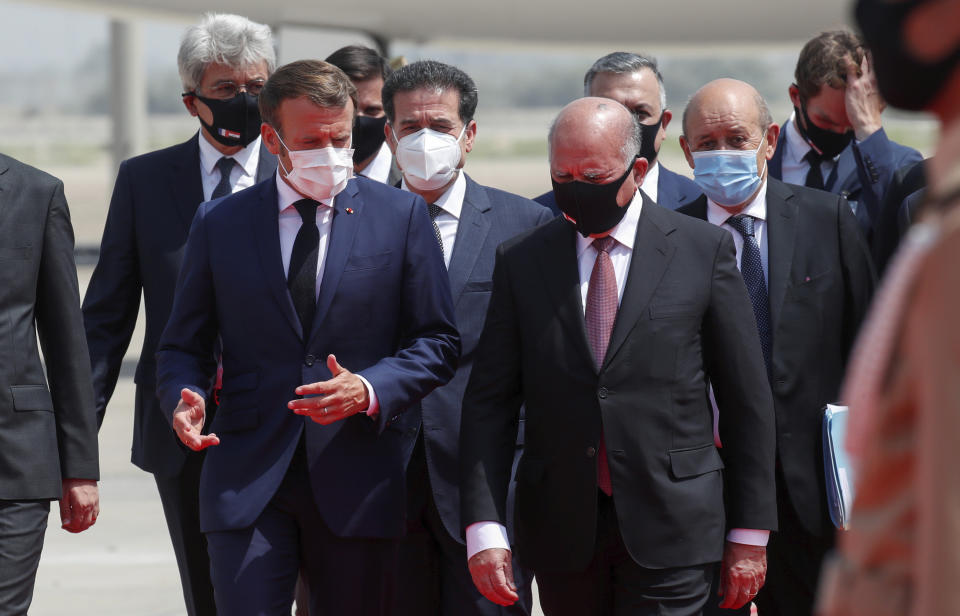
{"x":727,"y":177}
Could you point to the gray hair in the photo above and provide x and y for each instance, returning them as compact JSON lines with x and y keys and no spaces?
{"x":623,"y":62}
{"x":225,"y":39}
{"x":632,"y":138}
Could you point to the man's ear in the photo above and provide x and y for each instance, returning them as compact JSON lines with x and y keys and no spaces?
{"x":190,"y":102}
{"x":794,"y":92}
{"x":469,"y":135}
{"x":269,"y":136}
{"x":640,"y":167}
{"x":686,"y":151}
{"x":773,"y":133}
{"x":666,"y":116}
{"x":390,"y":137}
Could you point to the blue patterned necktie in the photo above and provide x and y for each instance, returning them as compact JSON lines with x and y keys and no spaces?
{"x":751,"y":268}
{"x":223,"y":188}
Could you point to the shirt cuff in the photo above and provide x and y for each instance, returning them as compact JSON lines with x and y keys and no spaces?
{"x":373,"y":409}
{"x":484,"y":536}
{"x":748,"y":536}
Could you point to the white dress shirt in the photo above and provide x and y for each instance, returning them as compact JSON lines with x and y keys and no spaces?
{"x":379,"y":167}
{"x":243,"y":175}
{"x":488,"y":534}
{"x":793,"y":168}
{"x":451,"y":203}
{"x":651,"y":180}
{"x":716,"y":215}
{"x":290,"y":223}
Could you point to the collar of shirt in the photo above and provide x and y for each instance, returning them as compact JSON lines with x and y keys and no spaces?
{"x":246,"y":159}
{"x":651,"y":180}
{"x":716,"y":215}
{"x":625,"y":232}
{"x":451,"y":201}
{"x":379,"y":167}
{"x":287,"y":196}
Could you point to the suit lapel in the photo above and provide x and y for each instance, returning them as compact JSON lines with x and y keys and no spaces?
{"x":781,"y":238}
{"x":843,"y":178}
{"x":652,"y":253}
{"x":4,"y":181}
{"x":343,"y":229}
{"x":185,"y":181}
{"x":267,"y":233}
{"x":558,"y":263}
{"x":472,"y":231}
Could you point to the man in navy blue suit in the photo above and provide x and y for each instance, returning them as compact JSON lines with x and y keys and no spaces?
{"x":431,"y":129}
{"x":153,"y":202}
{"x":635,"y":82}
{"x":332,"y":306}
{"x":835,"y":140}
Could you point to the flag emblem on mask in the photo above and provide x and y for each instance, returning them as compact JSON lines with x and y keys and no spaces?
{"x":231,"y":134}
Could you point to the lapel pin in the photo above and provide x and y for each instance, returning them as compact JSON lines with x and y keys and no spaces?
{"x":349,"y":210}
{"x":807,"y":279}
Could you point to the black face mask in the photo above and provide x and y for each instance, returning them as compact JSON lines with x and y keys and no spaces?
{"x":828,"y":142}
{"x":367,"y":137}
{"x":648,"y":140}
{"x":236,"y":121}
{"x":593,"y":208}
{"x":904,"y":81}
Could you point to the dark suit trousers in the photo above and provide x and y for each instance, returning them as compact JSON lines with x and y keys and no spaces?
{"x":255,"y":569}
{"x":794,"y":558}
{"x":433,"y":578}
{"x":180,"y":497}
{"x":22,"y":526}
{"x":613,"y":584}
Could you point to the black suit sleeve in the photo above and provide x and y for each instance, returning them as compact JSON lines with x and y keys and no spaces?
{"x":491,"y":407}
{"x":112,"y":302}
{"x":735,"y":366}
{"x":60,"y":330}
{"x":858,"y":275}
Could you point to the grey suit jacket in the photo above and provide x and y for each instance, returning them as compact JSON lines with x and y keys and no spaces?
{"x":46,"y":433}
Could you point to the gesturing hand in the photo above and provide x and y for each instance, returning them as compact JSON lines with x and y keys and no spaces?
{"x":492,"y":574}
{"x":340,"y":397}
{"x":862,"y":99}
{"x":742,"y":573}
{"x":79,"y":504}
{"x":188,"y":421}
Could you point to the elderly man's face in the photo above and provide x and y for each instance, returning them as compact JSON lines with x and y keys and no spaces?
{"x":639,"y":92}
{"x":307,"y":126}
{"x":222,"y":82}
{"x":728,"y":123}
{"x":580,"y":154}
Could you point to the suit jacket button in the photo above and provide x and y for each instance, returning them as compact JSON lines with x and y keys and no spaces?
{"x":591,"y":451}
{"x":602,"y":392}
{"x":308,"y":360}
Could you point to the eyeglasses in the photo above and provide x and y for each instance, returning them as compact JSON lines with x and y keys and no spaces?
{"x":228,"y":89}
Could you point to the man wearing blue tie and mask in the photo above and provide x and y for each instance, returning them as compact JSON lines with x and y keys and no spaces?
{"x":809,"y":277}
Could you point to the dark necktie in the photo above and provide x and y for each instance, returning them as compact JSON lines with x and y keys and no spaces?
{"x":601,"y":312}
{"x":435,"y":211}
{"x":225,"y":165}
{"x":302,"y":275}
{"x":751,"y":268}
{"x":815,"y":174}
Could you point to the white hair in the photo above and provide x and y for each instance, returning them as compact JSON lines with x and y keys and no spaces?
{"x":224,"y":39}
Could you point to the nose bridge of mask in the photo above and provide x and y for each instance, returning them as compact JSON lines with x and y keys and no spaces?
{"x":327,"y":156}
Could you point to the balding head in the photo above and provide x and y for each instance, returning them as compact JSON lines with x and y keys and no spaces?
{"x":725,"y":96}
{"x":598,"y":125}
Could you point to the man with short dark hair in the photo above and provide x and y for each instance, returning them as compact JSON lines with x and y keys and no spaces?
{"x":835,"y":139}
{"x":431,"y":127}
{"x":224,"y":61}
{"x":810,"y":280}
{"x":634,"y":81}
{"x":368,"y":70}
{"x":305,"y":278}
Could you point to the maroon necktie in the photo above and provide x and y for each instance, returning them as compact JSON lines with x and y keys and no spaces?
{"x":601,"y":312}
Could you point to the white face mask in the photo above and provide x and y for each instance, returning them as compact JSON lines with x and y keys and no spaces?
{"x":429,"y":159}
{"x":321,"y":173}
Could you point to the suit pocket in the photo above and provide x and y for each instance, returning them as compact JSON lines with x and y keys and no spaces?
{"x":478,"y":286}
{"x":31,"y":398}
{"x":692,"y":462}
{"x":358,"y":263}
{"x":674,"y":311}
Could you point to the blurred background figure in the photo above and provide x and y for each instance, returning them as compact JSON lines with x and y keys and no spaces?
{"x":367,"y":69}
{"x":224,"y":62}
{"x":635,"y":82}
{"x":835,"y":140}
{"x":902,"y":552}
{"x":48,"y":433}
{"x":431,"y":126}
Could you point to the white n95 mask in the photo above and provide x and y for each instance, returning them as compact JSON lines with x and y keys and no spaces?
{"x":320,"y":174}
{"x":428,"y":158}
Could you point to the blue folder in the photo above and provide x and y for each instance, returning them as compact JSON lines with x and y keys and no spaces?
{"x":837,"y":466}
